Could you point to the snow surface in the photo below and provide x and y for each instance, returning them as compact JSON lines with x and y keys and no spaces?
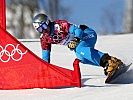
{"x":93,"y":86}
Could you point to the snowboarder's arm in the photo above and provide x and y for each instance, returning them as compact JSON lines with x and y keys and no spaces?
{"x":77,"y":31}
{"x":46,"y":49}
{"x":46,"y":55}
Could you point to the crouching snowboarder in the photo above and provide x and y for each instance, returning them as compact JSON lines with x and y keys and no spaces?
{"x":80,"y":39}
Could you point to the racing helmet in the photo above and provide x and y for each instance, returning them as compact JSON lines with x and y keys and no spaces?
{"x":41,"y":22}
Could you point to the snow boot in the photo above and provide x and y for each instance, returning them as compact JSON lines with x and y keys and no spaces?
{"x":110,"y":64}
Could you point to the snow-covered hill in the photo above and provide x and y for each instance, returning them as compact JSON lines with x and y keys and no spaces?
{"x":93,"y":86}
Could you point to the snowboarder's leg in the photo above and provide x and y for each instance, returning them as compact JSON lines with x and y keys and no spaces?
{"x":88,"y":53}
{"x":84,"y":60}
{"x":98,"y":58}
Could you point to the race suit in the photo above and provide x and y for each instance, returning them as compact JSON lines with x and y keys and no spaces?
{"x":62,"y":32}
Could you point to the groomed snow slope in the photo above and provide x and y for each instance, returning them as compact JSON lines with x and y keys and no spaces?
{"x":93,"y":86}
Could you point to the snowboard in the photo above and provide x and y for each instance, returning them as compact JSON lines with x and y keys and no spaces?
{"x":120,"y":70}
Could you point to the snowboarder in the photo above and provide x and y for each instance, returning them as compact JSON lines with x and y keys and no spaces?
{"x":81,"y":39}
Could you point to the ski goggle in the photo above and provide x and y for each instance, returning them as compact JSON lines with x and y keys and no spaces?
{"x":42,"y":27}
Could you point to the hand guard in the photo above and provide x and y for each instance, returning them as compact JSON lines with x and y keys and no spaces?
{"x":73,"y":43}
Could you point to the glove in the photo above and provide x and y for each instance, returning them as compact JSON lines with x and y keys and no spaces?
{"x":73,"y":43}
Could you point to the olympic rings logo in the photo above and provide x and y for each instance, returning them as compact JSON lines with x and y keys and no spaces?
{"x":57,"y":38}
{"x":10,"y":55}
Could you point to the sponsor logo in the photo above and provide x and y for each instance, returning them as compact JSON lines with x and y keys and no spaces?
{"x":88,"y":36}
{"x":82,"y":53}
